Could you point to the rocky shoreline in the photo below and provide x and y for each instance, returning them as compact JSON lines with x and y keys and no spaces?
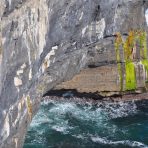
{"x":73,"y":95}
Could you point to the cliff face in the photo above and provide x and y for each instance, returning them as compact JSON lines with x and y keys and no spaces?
{"x":46,"y":42}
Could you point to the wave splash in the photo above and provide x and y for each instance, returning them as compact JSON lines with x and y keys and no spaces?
{"x":132,"y":144}
{"x":110,"y":124}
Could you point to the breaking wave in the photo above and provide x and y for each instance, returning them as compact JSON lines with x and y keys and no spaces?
{"x":66,"y":123}
{"x":119,"y":143}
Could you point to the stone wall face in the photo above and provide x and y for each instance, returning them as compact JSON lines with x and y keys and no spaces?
{"x":46,"y":42}
{"x":105,"y":80}
{"x":101,"y":79}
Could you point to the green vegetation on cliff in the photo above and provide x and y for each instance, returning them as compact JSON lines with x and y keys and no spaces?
{"x":130,"y":76}
{"x":135,"y":41}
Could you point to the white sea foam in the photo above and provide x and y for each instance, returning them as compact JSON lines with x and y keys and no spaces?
{"x":68,"y":117}
{"x":59,"y":128}
{"x":112,"y":110}
{"x":120,"y":109}
{"x":124,"y":142}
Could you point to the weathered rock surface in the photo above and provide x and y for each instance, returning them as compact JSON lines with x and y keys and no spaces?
{"x":46,"y":42}
{"x":103,"y":74}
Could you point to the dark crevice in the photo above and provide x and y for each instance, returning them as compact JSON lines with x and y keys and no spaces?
{"x":144,"y":1}
{"x":104,"y":63}
{"x":109,"y":36}
{"x":114,"y":35}
{"x":98,"y":7}
{"x":73,"y":93}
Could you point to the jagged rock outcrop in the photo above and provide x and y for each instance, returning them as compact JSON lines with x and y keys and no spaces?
{"x":46,"y":42}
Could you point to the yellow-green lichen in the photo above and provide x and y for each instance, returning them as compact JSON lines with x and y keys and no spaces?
{"x":143,"y":44}
{"x":136,"y":40}
{"x":121,"y":76}
{"x":145,"y":63}
{"x":130,"y":76}
{"x":29,"y":106}
{"x":118,"y":45}
{"x":128,"y":46}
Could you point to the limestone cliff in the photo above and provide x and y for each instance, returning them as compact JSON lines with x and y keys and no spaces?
{"x":46,"y":42}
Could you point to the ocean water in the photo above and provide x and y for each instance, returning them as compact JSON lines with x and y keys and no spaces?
{"x":70,"y":124}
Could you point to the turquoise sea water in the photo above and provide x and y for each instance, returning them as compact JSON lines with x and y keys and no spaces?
{"x":67,"y":124}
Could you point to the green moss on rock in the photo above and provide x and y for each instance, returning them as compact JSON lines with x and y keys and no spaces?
{"x":145,"y":63}
{"x":135,"y":41}
{"x":130,"y":76}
